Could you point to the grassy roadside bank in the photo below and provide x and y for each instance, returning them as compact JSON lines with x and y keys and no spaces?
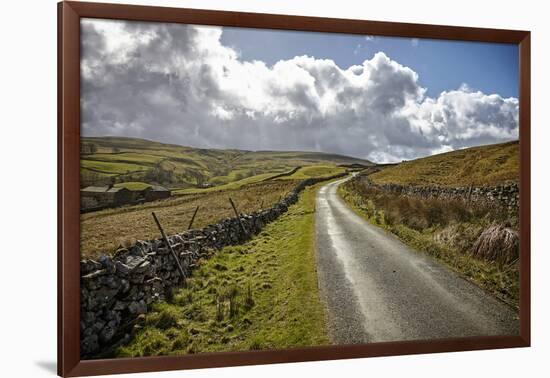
{"x":444,"y":230}
{"x":260,"y":295}
{"x":483,"y":165}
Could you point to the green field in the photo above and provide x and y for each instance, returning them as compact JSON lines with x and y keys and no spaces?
{"x":301,"y":174}
{"x":271,"y":283}
{"x":127,"y":157}
{"x":483,"y":165}
{"x":185,"y":169}
{"x":133,"y":185}
{"x":110,"y":167}
{"x":315,"y":171}
{"x":232,"y":185}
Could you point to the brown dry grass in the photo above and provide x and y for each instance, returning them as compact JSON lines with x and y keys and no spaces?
{"x":497,"y":243}
{"x":482,"y":165}
{"x":420,"y":214}
{"x":105,"y":231}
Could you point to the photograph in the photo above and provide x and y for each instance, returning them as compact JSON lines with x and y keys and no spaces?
{"x":247,"y":189}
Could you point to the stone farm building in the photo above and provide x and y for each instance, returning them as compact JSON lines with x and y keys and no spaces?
{"x":156,"y":192}
{"x":101,"y":197}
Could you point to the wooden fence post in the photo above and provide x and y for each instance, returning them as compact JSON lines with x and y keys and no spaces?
{"x":238,"y":216}
{"x":193,"y":218}
{"x":182,"y":273}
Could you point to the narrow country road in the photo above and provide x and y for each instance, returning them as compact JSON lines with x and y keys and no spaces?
{"x":378,"y":289}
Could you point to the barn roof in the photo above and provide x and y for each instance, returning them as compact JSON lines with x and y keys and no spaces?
{"x":95,"y":189}
{"x":102,"y":189}
{"x":115,"y":190}
{"x":158,"y":188}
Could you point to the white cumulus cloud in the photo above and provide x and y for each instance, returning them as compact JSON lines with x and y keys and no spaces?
{"x":179,"y":84}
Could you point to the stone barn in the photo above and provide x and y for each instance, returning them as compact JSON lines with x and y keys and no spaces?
{"x":120,"y":196}
{"x":157,"y":192}
{"x":104,"y":196}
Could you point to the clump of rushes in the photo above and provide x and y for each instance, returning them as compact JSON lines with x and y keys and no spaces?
{"x":498,"y":243}
{"x":169,"y":294}
{"x":248,"y":300}
{"x":233,"y":306}
{"x":219,"y":309}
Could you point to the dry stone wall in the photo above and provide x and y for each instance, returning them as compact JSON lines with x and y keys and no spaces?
{"x":114,"y":291}
{"x":506,"y":196}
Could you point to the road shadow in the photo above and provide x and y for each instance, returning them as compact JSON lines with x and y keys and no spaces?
{"x":49,"y":366}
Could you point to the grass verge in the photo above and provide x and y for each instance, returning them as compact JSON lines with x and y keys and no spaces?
{"x":449,"y":239}
{"x":260,"y":295}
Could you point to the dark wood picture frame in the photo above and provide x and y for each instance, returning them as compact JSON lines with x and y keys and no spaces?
{"x":69,"y":14}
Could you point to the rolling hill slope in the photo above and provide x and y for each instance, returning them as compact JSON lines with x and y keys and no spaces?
{"x":481,"y":165}
{"x":115,"y":159}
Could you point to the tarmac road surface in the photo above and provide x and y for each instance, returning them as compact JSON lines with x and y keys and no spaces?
{"x":378,"y":289}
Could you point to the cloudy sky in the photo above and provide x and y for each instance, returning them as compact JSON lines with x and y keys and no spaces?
{"x":384,"y":99}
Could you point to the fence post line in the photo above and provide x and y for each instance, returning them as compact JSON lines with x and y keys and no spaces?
{"x":238,"y":216}
{"x":182,"y":273}
{"x":193,"y":218}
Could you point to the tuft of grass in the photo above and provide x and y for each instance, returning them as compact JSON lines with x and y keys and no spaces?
{"x":248,"y":300}
{"x":498,"y":243}
{"x":483,"y":165}
{"x":267,"y":298}
{"x":149,"y":342}
{"x":220,"y":309}
{"x":164,"y":316}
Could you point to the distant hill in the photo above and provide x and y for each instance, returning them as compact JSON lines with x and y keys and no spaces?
{"x":118,"y":159}
{"x":482,"y":165}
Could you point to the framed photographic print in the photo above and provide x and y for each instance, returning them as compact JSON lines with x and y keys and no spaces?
{"x":239,"y":188}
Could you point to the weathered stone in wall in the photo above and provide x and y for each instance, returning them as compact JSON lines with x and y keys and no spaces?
{"x":107,"y":332}
{"x":107,"y":263}
{"x":505,"y":196}
{"x":110,"y":281}
{"x":122,"y":269}
{"x":138,"y":307}
{"x":88,"y":266}
{"x":124,"y":286}
{"x":89,"y":344}
{"x":137,"y":279}
{"x":120,"y":306}
{"x":87,"y":317}
{"x":102,"y":297}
